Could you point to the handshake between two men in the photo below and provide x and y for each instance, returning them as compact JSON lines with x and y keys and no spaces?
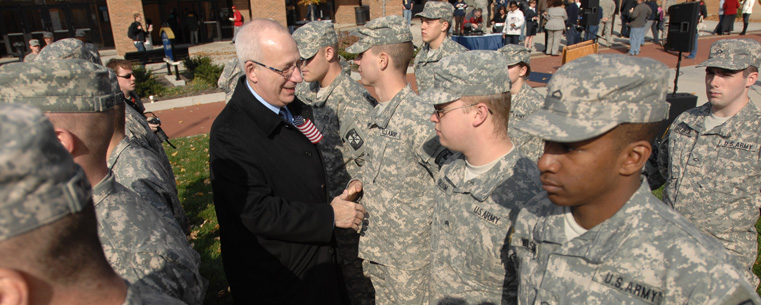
{"x":348,"y":213}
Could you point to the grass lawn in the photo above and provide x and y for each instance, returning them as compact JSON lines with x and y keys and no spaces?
{"x":190,"y":162}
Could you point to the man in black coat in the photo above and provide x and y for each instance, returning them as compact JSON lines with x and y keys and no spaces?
{"x":276,"y":225}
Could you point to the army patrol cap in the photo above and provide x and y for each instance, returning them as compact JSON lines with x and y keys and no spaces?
{"x":734,"y":54}
{"x":313,"y":36}
{"x":34,"y":43}
{"x":516,"y":54}
{"x":381,"y":31}
{"x":593,"y":94}
{"x":71,"y":85}
{"x":69,"y":48}
{"x":437,"y":10}
{"x":47,"y":34}
{"x":39,"y":181}
{"x":472,"y":73}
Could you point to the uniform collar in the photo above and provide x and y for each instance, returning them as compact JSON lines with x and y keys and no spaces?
{"x":735,"y":124}
{"x":314,"y":87}
{"x":481,"y":187}
{"x":382,"y":118}
{"x":601,"y":242}
{"x":104,"y":188}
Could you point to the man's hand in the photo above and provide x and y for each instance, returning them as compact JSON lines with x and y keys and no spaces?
{"x":154,"y":127}
{"x":347,"y":214}
{"x":353,"y":190}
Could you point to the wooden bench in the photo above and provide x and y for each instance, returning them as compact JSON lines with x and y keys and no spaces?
{"x":157,"y":56}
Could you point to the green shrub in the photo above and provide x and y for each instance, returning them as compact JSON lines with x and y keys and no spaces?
{"x":345,"y":39}
{"x":201,"y":68}
{"x":145,"y":83}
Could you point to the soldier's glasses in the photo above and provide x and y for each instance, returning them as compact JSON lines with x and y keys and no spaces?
{"x":441,"y":112}
{"x":286,"y":73}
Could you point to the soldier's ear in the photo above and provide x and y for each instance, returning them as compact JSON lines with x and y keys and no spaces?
{"x":13,"y":288}
{"x":329,"y":52}
{"x":67,"y":139}
{"x":384,"y":61}
{"x":634,"y":157}
{"x":751,"y":79}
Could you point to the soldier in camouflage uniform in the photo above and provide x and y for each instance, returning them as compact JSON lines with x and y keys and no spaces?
{"x":437,"y":19}
{"x":598,"y":235}
{"x":337,"y":104}
{"x":710,"y":159}
{"x":34,"y":46}
{"x":144,"y":247}
{"x":47,"y":224}
{"x":400,"y":152}
{"x":481,"y":187}
{"x":137,"y":127}
{"x":524,"y":100}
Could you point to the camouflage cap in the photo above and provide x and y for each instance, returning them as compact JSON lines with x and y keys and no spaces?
{"x":516,"y":54}
{"x":472,"y":73}
{"x":39,"y":181}
{"x":381,"y":31}
{"x":313,"y":36}
{"x":47,"y":34}
{"x":734,"y":54}
{"x":34,"y":43}
{"x":437,"y":10}
{"x":593,"y":94}
{"x":72,"y":85}
{"x":69,"y":48}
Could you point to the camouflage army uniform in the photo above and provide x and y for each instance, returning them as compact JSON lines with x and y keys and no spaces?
{"x":29,"y":57}
{"x":471,"y":222}
{"x":426,"y":58}
{"x":229,"y":78}
{"x":134,"y":297}
{"x":140,"y":170}
{"x":145,"y":247}
{"x":472,"y":218}
{"x":522,"y":104}
{"x":645,"y":253}
{"x":336,"y":108}
{"x":69,"y":48}
{"x":401,"y":151}
{"x":398,"y":195}
{"x":713,"y":177}
{"x":136,"y":128}
{"x":609,"y":263}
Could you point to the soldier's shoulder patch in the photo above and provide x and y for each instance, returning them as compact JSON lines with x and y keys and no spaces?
{"x":354,"y":139}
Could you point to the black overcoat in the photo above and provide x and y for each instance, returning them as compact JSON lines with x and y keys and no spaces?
{"x":276,"y":225}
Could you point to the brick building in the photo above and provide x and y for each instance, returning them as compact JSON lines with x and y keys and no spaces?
{"x":106,"y":21}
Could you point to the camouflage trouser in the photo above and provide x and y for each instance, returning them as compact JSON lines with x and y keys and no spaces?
{"x":397,"y":286}
{"x":358,"y":286}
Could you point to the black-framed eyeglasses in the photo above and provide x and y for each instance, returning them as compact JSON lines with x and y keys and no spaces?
{"x":127,"y":76}
{"x":439,"y":113}
{"x":286,"y":73}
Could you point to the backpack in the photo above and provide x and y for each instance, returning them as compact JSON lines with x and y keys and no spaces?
{"x":129,"y":32}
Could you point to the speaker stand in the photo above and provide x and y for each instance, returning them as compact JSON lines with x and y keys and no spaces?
{"x":676,"y":77}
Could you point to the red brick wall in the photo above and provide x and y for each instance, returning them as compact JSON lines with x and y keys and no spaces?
{"x":274,"y":9}
{"x":393,"y":7}
{"x":345,"y":11}
{"x":120,"y":12}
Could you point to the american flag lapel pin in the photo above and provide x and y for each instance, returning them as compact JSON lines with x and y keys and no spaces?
{"x":308,"y":129}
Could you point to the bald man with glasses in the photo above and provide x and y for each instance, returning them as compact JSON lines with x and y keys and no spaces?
{"x":276,"y":220}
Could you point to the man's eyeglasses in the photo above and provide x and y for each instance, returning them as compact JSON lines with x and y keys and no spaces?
{"x":441,"y":112}
{"x":286,"y":73}
{"x":126,"y":76}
